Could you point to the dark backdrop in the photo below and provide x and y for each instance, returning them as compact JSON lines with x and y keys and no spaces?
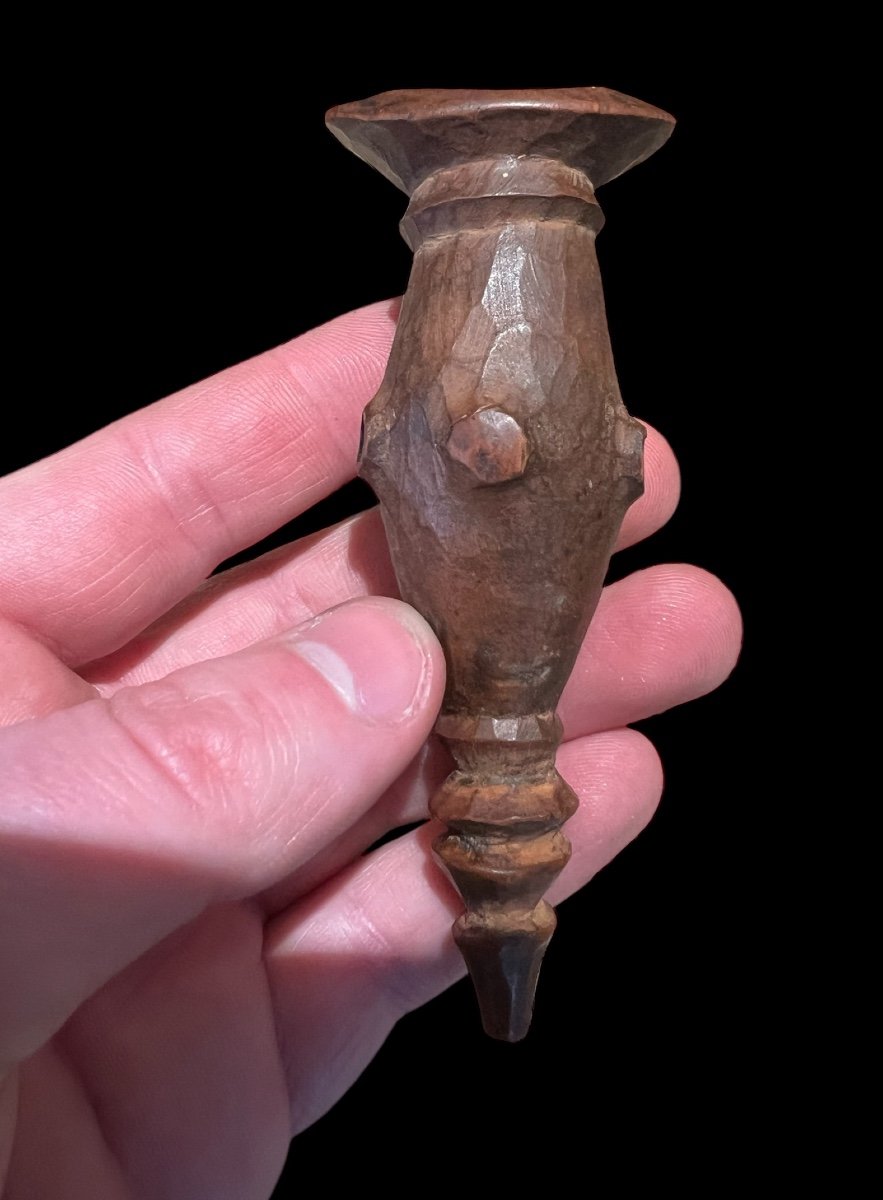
{"x":178,"y":217}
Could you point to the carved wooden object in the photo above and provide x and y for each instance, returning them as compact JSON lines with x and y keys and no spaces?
{"x":504,"y":461}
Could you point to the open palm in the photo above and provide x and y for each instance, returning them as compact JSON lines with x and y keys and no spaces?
{"x":197,"y":956}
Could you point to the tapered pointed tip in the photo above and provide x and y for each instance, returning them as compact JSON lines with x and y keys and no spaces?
{"x":504,"y":955}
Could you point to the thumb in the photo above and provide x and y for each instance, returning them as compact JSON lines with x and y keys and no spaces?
{"x":125,"y":817}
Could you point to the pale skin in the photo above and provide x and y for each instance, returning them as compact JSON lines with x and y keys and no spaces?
{"x":197,"y":958}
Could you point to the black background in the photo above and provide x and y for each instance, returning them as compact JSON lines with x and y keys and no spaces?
{"x":179,"y":216}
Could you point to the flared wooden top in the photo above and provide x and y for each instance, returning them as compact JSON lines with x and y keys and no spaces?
{"x":409,"y":135}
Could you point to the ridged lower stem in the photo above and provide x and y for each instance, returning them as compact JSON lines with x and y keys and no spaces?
{"x":504,"y":847}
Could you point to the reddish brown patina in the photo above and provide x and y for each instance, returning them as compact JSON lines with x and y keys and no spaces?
{"x":504,"y":461}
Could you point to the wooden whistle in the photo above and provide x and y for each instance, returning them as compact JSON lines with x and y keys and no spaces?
{"x":504,"y":461}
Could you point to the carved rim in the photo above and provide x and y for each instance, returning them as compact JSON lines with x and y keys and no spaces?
{"x":410,"y":135}
{"x":459,"y":102}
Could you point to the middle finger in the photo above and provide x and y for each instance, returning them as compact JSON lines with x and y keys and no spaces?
{"x":261,"y":598}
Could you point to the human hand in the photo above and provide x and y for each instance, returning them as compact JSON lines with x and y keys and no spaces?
{"x":196,"y":956}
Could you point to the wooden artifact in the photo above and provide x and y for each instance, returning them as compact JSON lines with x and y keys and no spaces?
{"x":504,"y":461}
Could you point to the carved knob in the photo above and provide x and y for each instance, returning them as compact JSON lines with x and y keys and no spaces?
{"x":491,"y":444}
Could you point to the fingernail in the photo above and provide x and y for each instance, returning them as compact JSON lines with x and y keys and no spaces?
{"x":376,"y":653}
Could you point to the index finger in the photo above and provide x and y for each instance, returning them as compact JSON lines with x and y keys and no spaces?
{"x":101,"y":539}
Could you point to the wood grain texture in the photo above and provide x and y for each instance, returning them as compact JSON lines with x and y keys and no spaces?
{"x":504,"y":461}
